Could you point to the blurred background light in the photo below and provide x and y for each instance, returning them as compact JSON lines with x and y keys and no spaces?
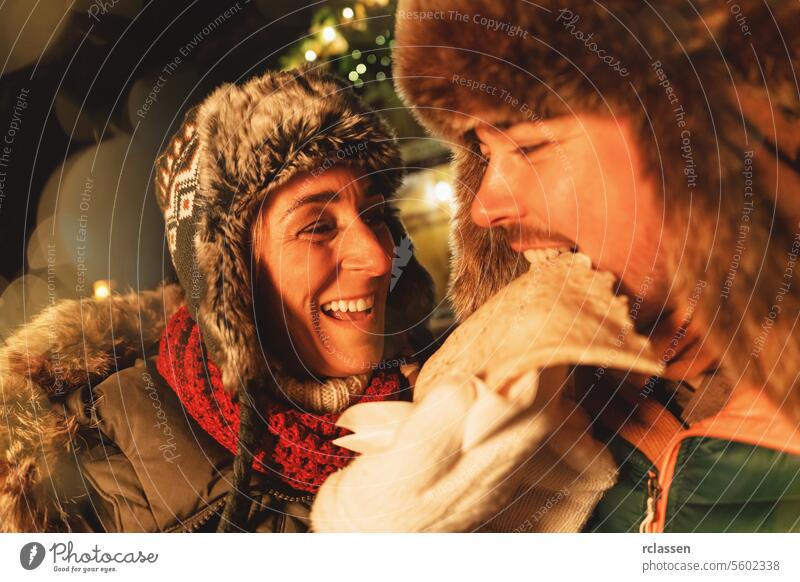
{"x":102,"y":289}
{"x":443,"y":191}
{"x":328,"y":34}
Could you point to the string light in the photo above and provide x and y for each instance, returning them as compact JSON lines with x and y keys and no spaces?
{"x":356,"y":54}
{"x":311,"y":55}
{"x":353,"y":76}
{"x":328,"y":34}
{"x":380,"y":76}
{"x":380,"y":39}
{"x":361,"y":68}
{"x":348,"y":13}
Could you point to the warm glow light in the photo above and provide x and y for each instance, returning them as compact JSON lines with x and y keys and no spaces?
{"x":348,"y":12}
{"x":443,"y":192}
{"x":311,"y":55}
{"x":102,"y":289}
{"x":329,"y":34}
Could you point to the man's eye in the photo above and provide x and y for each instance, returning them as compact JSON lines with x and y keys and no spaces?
{"x":318,"y":229}
{"x":530,"y":149}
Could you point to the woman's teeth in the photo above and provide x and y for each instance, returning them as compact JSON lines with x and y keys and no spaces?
{"x":350,"y":305}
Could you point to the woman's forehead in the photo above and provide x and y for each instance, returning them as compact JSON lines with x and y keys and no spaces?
{"x":336,"y":185}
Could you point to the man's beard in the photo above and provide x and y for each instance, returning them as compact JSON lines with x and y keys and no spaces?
{"x":527,"y":236}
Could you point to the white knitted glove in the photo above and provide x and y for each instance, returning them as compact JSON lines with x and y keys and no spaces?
{"x":431,"y":466}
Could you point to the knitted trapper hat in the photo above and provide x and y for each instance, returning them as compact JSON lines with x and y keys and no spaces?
{"x":232,"y":150}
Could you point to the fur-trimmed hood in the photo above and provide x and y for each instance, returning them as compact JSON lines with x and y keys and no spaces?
{"x":44,"y":363}
{"x":459,"y":60}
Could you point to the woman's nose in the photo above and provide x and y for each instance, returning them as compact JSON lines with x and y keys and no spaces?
{"x":362,"y":250}
{"x":495,"y":202}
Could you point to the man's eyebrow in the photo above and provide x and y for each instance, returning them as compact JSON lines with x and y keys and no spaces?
{"x":499,"y":126}
{"x":324,"y":197}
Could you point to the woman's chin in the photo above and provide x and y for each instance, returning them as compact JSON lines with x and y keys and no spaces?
{"x":342,"y":369}
{"x":352,"y":359}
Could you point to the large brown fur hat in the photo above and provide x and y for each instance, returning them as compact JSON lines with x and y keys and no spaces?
{"x":717,"y":58}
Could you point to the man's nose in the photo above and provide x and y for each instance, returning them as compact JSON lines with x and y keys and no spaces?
{"x":494,"y":203}
{"x":362,"y":250}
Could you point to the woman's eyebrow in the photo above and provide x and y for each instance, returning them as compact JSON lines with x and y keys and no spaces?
{"x":324,"y":197}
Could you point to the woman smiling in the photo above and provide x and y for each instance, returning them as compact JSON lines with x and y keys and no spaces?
{"x":334,"y":227}
{"x":221,"y":411}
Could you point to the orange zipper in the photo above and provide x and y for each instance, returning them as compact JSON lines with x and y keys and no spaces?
{"x":653,"y":495}
{"x":658,"y":486}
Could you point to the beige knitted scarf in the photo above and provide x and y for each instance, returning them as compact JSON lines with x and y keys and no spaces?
{"x":330,"y":395}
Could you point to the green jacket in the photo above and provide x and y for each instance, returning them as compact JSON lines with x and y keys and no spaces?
{"x":736,"y":471}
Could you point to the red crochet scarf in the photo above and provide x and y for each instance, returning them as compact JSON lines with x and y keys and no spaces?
{"x":296,"y":445}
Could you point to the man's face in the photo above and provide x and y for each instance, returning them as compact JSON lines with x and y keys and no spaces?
{"x":576,"y":182}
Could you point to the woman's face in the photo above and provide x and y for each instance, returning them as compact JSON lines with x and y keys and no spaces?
{"x":322,"y":256}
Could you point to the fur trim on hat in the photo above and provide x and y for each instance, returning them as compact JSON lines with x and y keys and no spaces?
{"x":245,"y":141}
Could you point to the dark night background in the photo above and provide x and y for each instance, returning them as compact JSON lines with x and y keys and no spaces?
{"x":79,"y":106}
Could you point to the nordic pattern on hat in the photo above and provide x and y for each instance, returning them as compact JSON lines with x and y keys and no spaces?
{"x":179,"y":186}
